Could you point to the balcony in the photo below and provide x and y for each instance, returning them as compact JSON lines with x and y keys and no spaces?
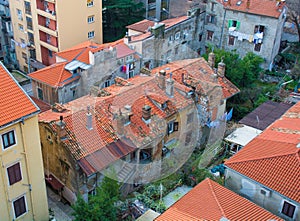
{"x":47,"y":14}
{"x":47,"y":30}
{"x":48,"y":46}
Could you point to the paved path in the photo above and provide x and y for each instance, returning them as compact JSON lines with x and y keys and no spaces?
{"x":62,"y":211}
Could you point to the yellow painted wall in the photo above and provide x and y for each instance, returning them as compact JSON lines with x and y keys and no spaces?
{"x":27,"y":151}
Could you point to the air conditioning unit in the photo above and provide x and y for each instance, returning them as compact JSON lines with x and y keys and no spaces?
{"x":265,"y":192}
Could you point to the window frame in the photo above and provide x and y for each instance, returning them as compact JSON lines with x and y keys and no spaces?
{"x":231,"y":40}
{"x":172,"y":126}
{"x":90,"y":3}
{"x":16,"y":180}
{"x":2,"y":141}
{"x":40,"y":90}
{"x":91,"y":36}
{"x":91,"y":19}
{"x":25,"y":204}
{"x":289,"y":205}
{"x":210,"y":35}
{"x":256,"y":46}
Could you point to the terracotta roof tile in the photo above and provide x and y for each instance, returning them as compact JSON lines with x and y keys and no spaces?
{"x":211,"y":201}
{"x":15,"y":103}
{"x":141,"y":26}
{"x":258,"y":7}
{"x":41,"y":104}
{"x":123,"y":50}
{"x":273,"y":158}
{"x":54,"y":75}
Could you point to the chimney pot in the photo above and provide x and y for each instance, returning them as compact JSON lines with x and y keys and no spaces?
{"x":211,"y":59}
{"x":162,"y":79}
{"x":221,"y":69}
{"x":61,"y":128}
{"x":170,"y":86}
{"x":146,"y":113}
{"x":89,"y":119}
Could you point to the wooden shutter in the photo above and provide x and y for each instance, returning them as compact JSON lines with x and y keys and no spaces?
{"x":19,"y":206}
{"x":238,"y":24}
{"x":229,"y":23}
{"x":14,"y":173}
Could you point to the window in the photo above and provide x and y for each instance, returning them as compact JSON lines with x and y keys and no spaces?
{"x":172,"y":126}
{"x":14,"y":174}
{"x":176,"y":50}
{"x":200,"y":37}
{"x":177,"y":35}
{"x":288,"y":209}
{"x":21,"y":27}
{"x":107,"y":83}
{"x":234,"y":23}
{"x":211,"y":19}
{"x":257,"y":47}
{"x":30,"y":38}
{"x":131,"y":74}
{"x":190,"y":118}
{"x":210,"y":35}
{"x":19,"y":14}
{"x":231,"y":40}
{"x":48,"y":38}
{"x":24,"y":55}
{"x":8,"y":139}
{"x":29,"y":23}
{"x":259,"y":28}
{"x":50,"y":53}
{"x":19,"y":206}
{"x":47,"y":23}
{"x":27,"y":8}
{"x":90,"y":3}
{"x":90,"y":19}
{"x":40,"y":93}
{"x":212,"y":8}
{"x":91,"y":34}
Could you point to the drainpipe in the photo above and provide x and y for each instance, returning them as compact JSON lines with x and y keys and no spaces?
{"x":5,"y":185}
{"x":222,"y":30}
{"x":27,"y":165}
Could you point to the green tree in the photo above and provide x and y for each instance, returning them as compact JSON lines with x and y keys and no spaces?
{"x":100,"y":206}
{"x":117,"y":14}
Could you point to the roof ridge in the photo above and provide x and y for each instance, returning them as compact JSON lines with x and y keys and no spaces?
{"x":263,"y":158}
{"x":80,"y":53}
{"x":57,"y":64}
{"x":60,"y":77}
{"x":215,"y":197}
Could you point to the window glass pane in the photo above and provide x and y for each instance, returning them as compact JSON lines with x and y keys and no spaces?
{"x":5,"y":140}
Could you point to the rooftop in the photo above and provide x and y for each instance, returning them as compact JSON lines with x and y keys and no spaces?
{"x":264,"y":115}
{"x":211,"y":201}
{"x":15,"y":103}
{"x":258,"y":7}
{"x":273,"y":158}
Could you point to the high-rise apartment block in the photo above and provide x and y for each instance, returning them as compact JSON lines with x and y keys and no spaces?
{"x":43,"y":27}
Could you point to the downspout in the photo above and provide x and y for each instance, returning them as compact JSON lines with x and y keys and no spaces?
{"x":6,"y":192}
{"x":27,"y":165}
{"x":222,"y":30}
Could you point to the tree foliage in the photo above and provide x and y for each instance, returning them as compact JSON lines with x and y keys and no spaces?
{"x":100,"y":206}
{"x":117,"y":14}
{"x":294,"y":13}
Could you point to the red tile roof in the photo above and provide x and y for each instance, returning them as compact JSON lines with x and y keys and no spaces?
{"x":54,"y":75}
{"x":123,"y":50}
{"x":141,"y":26}
{"x":137,"y":92}
{"x":258,"y":7}
{"x":41,"y":104}
{"x":15,"y":103}
{"x":211,"y":201}
{"x":196,"y":72}
{"x":273,"y":158}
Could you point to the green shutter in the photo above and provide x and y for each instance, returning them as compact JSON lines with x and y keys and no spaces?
{"x":238,"y":25}
{"x":229,"y":23}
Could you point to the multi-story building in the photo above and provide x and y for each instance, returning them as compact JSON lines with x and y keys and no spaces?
{"x":267,"y":170}
{"x":22,"y":183}
{"x":85,"y":67}
{"x":7,"y":48}
{"x":246,"y":26}
{"x":43,"y":28}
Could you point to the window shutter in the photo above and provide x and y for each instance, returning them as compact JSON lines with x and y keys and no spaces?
{"x":238,"y":24}
{"x":175,"y":126}
{"x":229,"y":23}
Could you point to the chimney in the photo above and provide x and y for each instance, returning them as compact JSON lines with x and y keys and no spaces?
{"x":221,"y":69}
{"x":89,"y":119}
{"x":170,"y":86}
{"x":248,"y":4}
{"x":127,"y":114}
{"x":120,"y":123}
{"x":61,"y":128}
{"x":211,"y":59}
{"x":162,"y":79}
{"x":146,"y":114}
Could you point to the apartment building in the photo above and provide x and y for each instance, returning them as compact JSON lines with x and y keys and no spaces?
{"x":44,"y":27}
{"x":246,"y":26}
{"x":7,"y":48}
{"x":22,"y":184}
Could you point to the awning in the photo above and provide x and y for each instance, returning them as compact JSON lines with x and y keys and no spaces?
{"x":53,"y":182}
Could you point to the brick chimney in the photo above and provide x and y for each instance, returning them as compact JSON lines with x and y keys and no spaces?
{"x":61,"y":128}
{"x":211,"y":59}
{"x":146,"y":114}
{"x":89,"y":119}
{"x":170,"y":86}
{"x":221,"y":69}
{"x":162,"y":79}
